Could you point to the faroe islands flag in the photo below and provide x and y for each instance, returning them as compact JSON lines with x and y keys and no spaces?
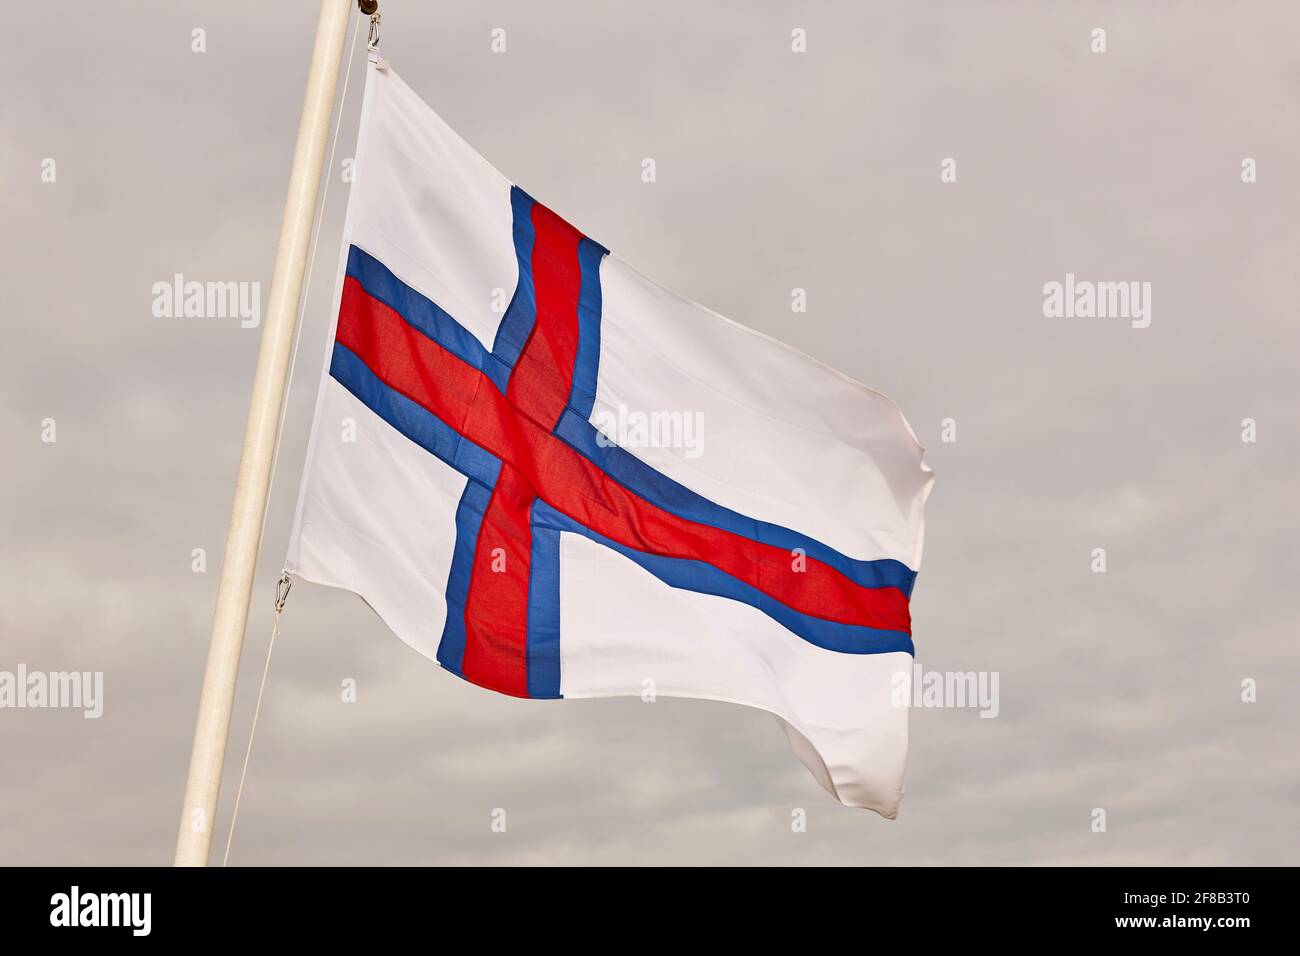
{"x":559,"y":479}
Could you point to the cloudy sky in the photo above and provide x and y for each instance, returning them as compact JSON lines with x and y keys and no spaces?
{"x":821,"y":170}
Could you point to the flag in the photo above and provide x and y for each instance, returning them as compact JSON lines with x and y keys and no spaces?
{"x":557,"y":478}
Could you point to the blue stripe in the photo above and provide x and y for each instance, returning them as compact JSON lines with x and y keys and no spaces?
{"x":586,"y":366}
{"x":521,"y":314}
{"x":413,"y":420}
{"x":703,"y":578}
{"x":424,"y":315}
{"x":440,"y":439}
{"x":469,"y":518}
{"x":543,"y":663}
{"x":543,"y":636}
{"x":654,"y":486}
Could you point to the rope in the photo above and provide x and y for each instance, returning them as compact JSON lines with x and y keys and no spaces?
{"x":311,"y":268}
{"x":285,"y":582}
{"x":281,"y":595}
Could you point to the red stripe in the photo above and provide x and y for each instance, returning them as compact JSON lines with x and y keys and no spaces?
{"x":496,"y":607}
{"x":465,"y":399}
{"x":540,"y":383}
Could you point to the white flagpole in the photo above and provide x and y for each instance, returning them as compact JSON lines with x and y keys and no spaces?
{"x":243,"y":539}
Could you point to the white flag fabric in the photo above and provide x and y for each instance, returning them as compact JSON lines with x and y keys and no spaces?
{"x":559,"y":479}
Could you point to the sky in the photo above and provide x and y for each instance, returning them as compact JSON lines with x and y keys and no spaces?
{"x":128,"y":156}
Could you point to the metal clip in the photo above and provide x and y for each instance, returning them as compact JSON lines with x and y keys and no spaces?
{"x":372,"y":38}
{"x":282,"y":587}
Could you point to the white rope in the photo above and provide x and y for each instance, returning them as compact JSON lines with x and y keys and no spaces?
{"x":282,"y":587}
{"x":311,"y":267}
{"x":281,"y":593}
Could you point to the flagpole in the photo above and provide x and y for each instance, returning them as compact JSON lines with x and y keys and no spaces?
{"x":252,"y":484}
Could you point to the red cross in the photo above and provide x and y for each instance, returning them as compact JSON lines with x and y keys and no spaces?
{"x":517,"y":427}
